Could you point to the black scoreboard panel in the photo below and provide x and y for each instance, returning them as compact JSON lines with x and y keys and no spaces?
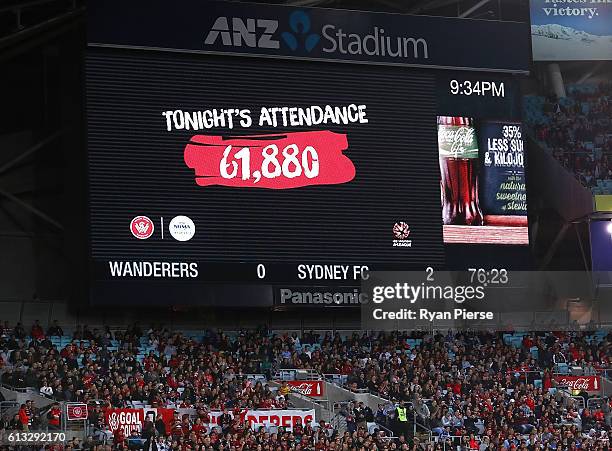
{"x":137,"y":166}
{"x":214,"y":178}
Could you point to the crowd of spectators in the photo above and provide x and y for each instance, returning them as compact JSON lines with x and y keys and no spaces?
{"x":577,"y":130}
{"x":475,"y":386}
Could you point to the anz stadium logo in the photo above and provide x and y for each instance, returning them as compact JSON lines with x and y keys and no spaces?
{"x":260,"y":33}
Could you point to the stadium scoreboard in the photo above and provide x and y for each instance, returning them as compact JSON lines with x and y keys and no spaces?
{"x":234,"y":148}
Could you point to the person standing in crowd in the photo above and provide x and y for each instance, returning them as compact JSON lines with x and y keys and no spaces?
{"x":23,"y":418}
{"x":55,"y":330}
{"x":401,"y":416}
{"x":160,"y":425}
{"x":224,"y":420}
{"x":37,"y":332}
{"x":15,"y":424}
{"x":19,"y":332}
{"x":54,"y":417}
{"x":33,"y":414}
{"x":284,"y":389}
{"x":360,"y":417}
{"x":422,"y":410}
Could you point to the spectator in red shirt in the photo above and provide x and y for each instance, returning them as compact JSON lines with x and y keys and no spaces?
{"x":473,"y":443}
{"x":54,"y":417}
{"x":118,"y":436}
{"x":37,"y":331}
{"x":198,"y":427}
{"x":24,"y":418}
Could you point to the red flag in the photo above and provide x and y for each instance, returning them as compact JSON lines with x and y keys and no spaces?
{"x":77,"y":412}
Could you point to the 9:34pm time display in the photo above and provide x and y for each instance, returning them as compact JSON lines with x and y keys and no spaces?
{"x":477,"y":88}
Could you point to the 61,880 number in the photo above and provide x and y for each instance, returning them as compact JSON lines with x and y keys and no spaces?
{"x":290,"y":165}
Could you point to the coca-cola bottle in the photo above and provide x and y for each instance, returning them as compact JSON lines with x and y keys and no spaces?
{"x":459,"y":164}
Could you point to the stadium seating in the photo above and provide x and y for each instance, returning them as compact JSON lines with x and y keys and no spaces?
{"x":454,"y":376}
{"x":577,"y":130}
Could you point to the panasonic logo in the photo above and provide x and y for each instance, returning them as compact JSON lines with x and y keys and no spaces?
{"x":373,"y":44}
{"x":250,"y":33}
{"x":288,"y":296}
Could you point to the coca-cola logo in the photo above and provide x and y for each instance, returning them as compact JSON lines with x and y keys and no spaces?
{"x":579,"y":383}
{"x":456,"y":139}
{"x":305,"y":389}
{"x":308,"y":388}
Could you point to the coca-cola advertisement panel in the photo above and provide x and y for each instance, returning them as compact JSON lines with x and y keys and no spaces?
{"x":314,"y":389}
{"x":579,"y":383}
{"x":482,"y":183}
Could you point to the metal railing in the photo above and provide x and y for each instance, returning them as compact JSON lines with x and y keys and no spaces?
{"x":579,"y":400}
{"x":334,"y":378}
{"x":455,"y":441}
{"x":389,"y":434}
{"x":294,"y":374}
{"x":338,"y":422}
{"x":19,"y":389}
{"x":594,"y":403}
{"x":7,"y":406}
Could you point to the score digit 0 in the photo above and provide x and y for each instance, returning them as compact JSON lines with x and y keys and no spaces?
{"x":261,"y":271}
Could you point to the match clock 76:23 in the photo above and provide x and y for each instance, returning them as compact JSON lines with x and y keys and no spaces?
{"x":486,"y":277}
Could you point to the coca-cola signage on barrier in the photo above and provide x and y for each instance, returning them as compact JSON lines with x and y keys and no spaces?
{"x":314,"y":389}
{"x":582,"y":383}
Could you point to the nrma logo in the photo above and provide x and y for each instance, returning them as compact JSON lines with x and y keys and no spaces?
{"x":259,"y":33}
{"x":300,"y":35}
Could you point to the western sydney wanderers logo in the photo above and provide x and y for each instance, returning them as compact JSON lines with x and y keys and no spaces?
{"x":141,"y":227}
{"x":113,"y":421}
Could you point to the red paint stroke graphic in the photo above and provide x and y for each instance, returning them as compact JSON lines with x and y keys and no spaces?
{"x":284,"y":161}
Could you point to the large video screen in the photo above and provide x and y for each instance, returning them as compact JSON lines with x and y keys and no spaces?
{"x":211,"y":170}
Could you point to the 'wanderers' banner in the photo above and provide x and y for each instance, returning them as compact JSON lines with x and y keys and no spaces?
{"x":283,"y":418}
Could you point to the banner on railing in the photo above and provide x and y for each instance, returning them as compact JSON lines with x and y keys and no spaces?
{"x":586,"y":383}
{"x":284,"y":418}
{"x":76,"y":411}
{"x":314,"y":389}
{"x":132,"y":419}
